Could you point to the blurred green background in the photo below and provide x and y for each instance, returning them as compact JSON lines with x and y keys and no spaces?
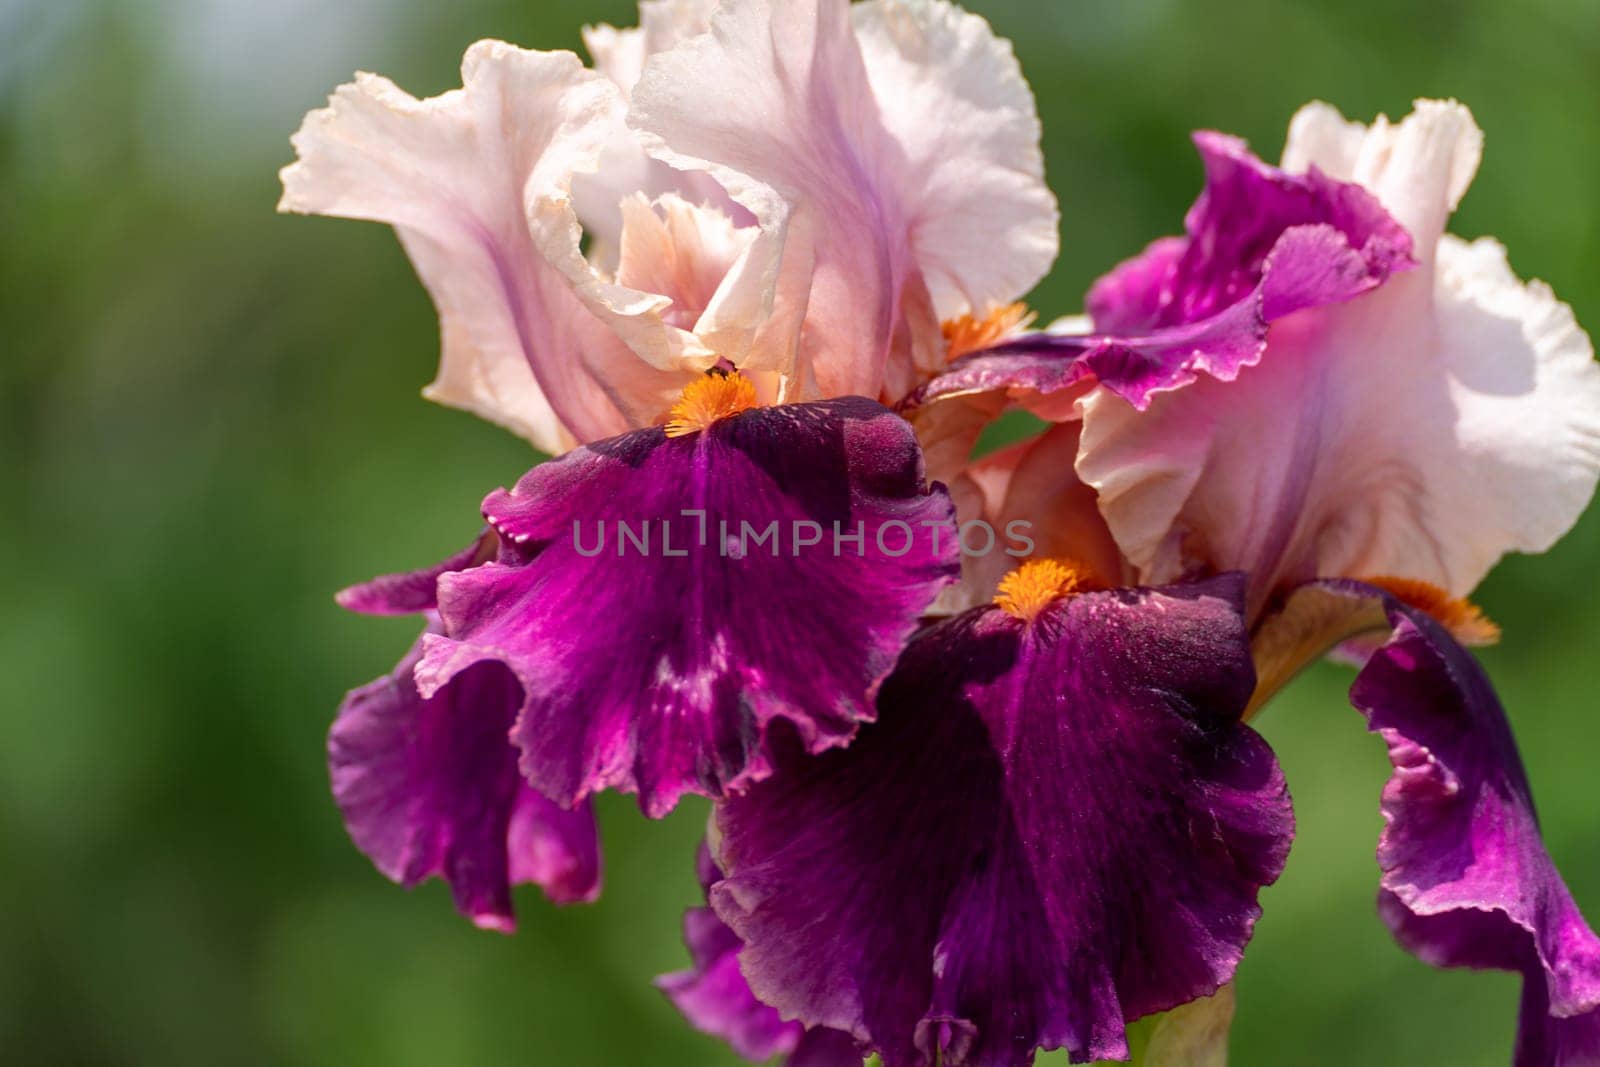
{"x":209,"y":421}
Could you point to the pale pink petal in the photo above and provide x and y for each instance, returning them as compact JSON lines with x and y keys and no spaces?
{"x":952,"y":95}
{"x":678,"y":249}
{"x":476,"y":182}
{"x":860,"y":210}
{"x":1319,"y":134}
{"x":625,"y":169}
{"x":1033,"y":500}
{"x":1422,"y":430}
{"x":979,"y":494}
{"x":1419,"y":169}
{"x":770,"y":104}
{"x":663,"y":24}
{"x":1047,"y":500}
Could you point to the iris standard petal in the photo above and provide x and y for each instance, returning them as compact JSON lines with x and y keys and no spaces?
{"x":1261,"y":244}
{"x":877,"y":149}
{"x":1054,"y":827}
{"x":477,"y":182}
{"x":429,"y":787}
{"x":1422,"y":429}
{"x":675,"y":595}
{"x":1234,"y":234}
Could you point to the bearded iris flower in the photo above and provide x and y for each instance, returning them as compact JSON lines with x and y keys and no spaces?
{"x":756,"y":274}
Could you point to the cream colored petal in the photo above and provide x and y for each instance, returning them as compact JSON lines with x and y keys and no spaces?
{"x":1320,"y":135}
{"x":1419,"y":169}
{"x":1420,"y":431}
{"x":475,"y":181}
{"x":880,"y":156}
{"x":680,"y":250}
{"x":770,"y":104}
{"x":1526,"y":390}
{"x":952,"y":95}
{"x":621,"y":54}
{"x":625,"y":169}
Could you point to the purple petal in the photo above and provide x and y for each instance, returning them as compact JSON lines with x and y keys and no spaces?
{"x":1233,"y":247}
{"x":1261,"y":245}
{"x":716,"y":999}
{"x":1133,"y":367}
{"x":430,"y":787}
{"x":414,"y":592}
{"x":825,"y":1048}
{"x":1052,"y":828}
{"x":1466,"y":878}
{"x":659,"y":670}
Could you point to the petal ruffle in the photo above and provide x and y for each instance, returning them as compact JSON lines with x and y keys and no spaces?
{"x":625,"y":168}
{"x":1466,"y":878}
{"x":786,"y":561}
{"x":1421,"y":430}
{"x":1134,"y":368}
{"x":952,"y":96}
{"x":1234,"y":235}
{"x":678,"y":249}
{"x":1052,"y":828}
{"x":429,"y":786}
{"x":860,"y":212}
{"x":716,"y":999}
{"x":415,"y":592}
{"x":1261,"y":245}
{"x":477,"y":184}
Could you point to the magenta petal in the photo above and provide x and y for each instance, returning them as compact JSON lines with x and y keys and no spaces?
{"x":1050,"y":830}
{"x":430,"y":787}
{"x":1133,"y":367}
{"x":1261,"y":245}
{"x":825,"y":1048}
{"x":716,"y":999}
{"x":658,"y":669}
{"x":1233,"y":247}
{"x":1466,"y":878}
{"x":414,"y":592}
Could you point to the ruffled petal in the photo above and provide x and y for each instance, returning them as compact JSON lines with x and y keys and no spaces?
{"x":415,"y":592}
{"x":1047,"y":373}
{"x":1421,"y":430}
{"x":786,"y":552}
{"x":952,"y":96}
{"x":1053,"y":828}
{"x":678,"y":249}
{"x":663,"y":25}
{"x":429,"y":787}
{"x":1419,"y":169}
{"x":625,"y":168}
{"x":1466,"y":878}
{"x":1234,"y":234}
{"x":477,"y":184}
{"x":716,"y":999}
{"x":1262,"y":244}
{"x":860,"y":213}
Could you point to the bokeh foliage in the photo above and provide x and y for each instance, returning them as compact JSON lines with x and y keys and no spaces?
{"x":209,"y":421}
